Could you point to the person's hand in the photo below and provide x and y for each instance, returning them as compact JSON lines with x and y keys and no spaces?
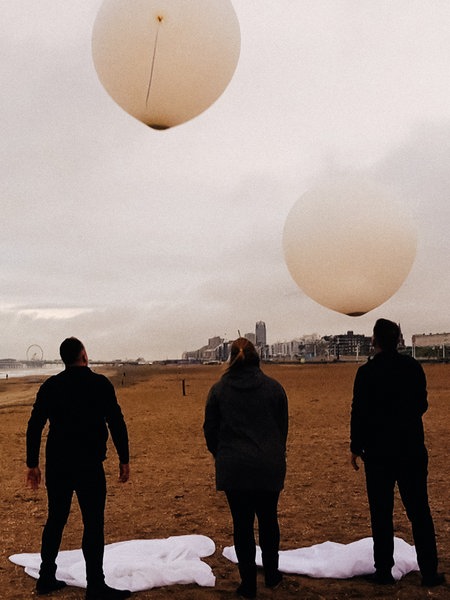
{"x":124,"y":472}
{"x":354,"y":461}
{"x":33,"y":477}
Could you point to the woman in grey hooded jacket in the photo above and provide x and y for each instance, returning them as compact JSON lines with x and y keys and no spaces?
{"x":245,"y":427}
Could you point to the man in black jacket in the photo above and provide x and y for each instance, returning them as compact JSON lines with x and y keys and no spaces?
{"x":389,"y":399}
{"x":80,"y":406}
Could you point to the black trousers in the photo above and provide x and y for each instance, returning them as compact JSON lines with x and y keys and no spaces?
{"x":244,"y":506}
{"x":89,"y":484}
{"x":410,"y":474}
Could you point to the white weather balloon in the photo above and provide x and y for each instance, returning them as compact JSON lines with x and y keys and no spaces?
{"x":165,"y":61}
{"x":349,"y":245}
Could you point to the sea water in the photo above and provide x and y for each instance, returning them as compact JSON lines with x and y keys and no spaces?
{"x":45,"y":371}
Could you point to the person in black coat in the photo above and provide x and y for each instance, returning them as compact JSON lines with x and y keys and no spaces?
{"x":245,"y":427}
{"x":386,"y":431}
{"x":80,"y":406}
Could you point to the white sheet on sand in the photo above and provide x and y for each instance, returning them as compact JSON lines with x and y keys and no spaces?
{"x":339,"y":561}
{"x":139,"y":565}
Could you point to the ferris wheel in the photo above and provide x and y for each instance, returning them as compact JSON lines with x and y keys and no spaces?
{"x":35,"y":353}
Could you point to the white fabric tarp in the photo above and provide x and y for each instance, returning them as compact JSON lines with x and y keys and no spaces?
{"x":137,"y":565}
{"x":338,"y":561}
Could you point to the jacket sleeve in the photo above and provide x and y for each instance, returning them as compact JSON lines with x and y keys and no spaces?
{"x":36,"y":424}
{"x":211,"y":423}
{"x":116,"y":425}
{"x":284,"y":415}
{"x":421,"y":389}
{"x":357,"y":418}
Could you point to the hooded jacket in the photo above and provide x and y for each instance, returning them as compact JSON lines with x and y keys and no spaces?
{"x":245,"y":427}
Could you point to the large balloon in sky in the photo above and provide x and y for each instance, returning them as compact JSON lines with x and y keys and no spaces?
{"x":165,"y":61}
{"x":349,"y":245}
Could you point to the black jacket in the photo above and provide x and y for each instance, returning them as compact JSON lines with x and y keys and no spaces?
{"x":389,"y":399}
{"x":245,"y":427}
{"x":80,"y":406}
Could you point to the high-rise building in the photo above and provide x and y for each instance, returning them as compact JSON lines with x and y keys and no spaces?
{"x":260,"y":333}
{"x":251,"y":337}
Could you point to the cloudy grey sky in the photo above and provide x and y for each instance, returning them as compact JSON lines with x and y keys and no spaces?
{"x":146,"y":243}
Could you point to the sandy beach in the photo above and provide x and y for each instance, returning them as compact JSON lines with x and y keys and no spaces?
{"x":172,"y":491}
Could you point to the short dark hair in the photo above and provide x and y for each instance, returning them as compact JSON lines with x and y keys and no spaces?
{"x":70,"y":350}
{"x":243,"y":354}
{"x":386,"y":334}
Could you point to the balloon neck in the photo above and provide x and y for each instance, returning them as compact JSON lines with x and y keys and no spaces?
{"x":356,"y":314}
{"x":158,"y":127}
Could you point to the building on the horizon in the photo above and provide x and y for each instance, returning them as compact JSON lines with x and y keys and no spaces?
{"x":432,"y":345}
{"x":348,"y":344}
{"x":260,"y":334}
{"x":251,"y":337}
{"x":217,"y":350}
{"x":307,"y":347}
{"x":7,"y":364}
{"x":283,"y":350}
{"x":401,"y":340}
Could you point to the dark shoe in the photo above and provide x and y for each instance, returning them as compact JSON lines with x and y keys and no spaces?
{"x":105,"y":592}
{"x":274,"y":581}
{"x":381,"y":578}
{"x":434,"y":580}
{"x":47,"y":586}
{"x":245,"y":592}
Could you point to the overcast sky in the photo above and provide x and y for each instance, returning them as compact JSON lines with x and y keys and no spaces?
{"x":146,"y":243}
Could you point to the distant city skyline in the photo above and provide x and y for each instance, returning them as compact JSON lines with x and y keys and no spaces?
{"x":260,"y":326}
{"x":308,"y":345}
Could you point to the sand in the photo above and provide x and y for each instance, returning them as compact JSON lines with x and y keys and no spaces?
{"x":171,"y":491}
